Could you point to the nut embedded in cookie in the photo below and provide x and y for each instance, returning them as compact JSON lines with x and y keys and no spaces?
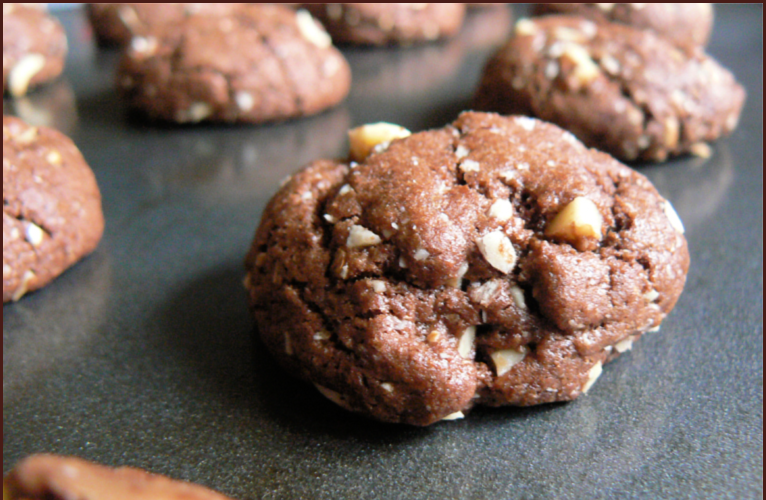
{"x":412,"y":288}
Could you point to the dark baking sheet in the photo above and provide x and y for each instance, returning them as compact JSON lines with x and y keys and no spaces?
{"x":144,"y":353}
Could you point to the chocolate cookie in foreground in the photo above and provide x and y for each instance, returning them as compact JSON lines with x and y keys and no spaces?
{"x":619,"y":89}
{"x":117,"y":23}
{"x":51,"y":207}
{"x":496,"y":261}
{"x":680,"y":23}
{"x":389,"y":23}
{"x":50,"y":477}
{"x":260,"y":63}
{"x":34,"y":48}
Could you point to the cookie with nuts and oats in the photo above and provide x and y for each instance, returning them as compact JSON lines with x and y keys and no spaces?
{"x":51,"y":207}
{"x":34,"y":48}
{"x":681,"y":23}
{"x":496,"y":261}
{"x":623,"y":90}
{"x":389,"y":23}
{"x":118,"y":23}
{"x":40,"y":477}
{"x":260,"y":63}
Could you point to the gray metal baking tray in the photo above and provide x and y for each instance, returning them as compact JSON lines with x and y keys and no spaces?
{"x":144,"y":354}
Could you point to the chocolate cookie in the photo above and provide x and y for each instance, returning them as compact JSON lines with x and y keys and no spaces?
{"x":681,"y":23}
{"x":260,"y":63}
{"x":46,"y":477}
{"x":51,"y":207}
{"x":496,"y":261}
{"x":623,"y":90}
{"x":117,"y":23}
{"x":389,"y":23}
{"x":34,"y":48}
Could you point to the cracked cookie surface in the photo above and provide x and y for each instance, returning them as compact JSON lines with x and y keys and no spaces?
{"x":53,"y":477}
{"x":435,"y":275}
{"x":389,"y":23}
{"x":34,"y":48}
{"x":260,"y":63}
{"x":51,"y":207}
{"x":619,"y":89}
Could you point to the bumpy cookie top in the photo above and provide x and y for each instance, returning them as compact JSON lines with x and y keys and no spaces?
{"x":51,"y":207}
{"x":494,"y":261}
{"x":623,"y":90}
{"x":258,"y":63}
{"x":681,"y":23}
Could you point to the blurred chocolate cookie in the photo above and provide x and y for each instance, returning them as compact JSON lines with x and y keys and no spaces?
{"x":389,"y":23}
{"x":259,"y":63}
{"x":681,"y":23}
{"x":51,"y":207}
{"x":34,"y":48}
{"x":47,"y":477}
{"x":620,"y":89}
{"x":117,"y":23}
{"x":495,"y":261}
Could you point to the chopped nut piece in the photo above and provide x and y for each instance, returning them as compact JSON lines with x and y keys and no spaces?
{"x":333,"y":396}
{"x":361,"y":237}
{"x":53,"y":157}
{"x":27,"y":137}
{"x":461,"y":151}
{"x":198,"y":111}
{"x":580,"y":218}
{"x":585,"y":70}
{"x":378,"y":286}
{"x":322,"y":335}
{"x":454,"y":416}
{"x":593,"y":374}
{"x":143,"y":46}
{"x":505,"y":359}
{"x":518,"y":297}
{"x":422,"y":254}
{"x":387,"y":387}
{"x":33,"y":234}
{"x":26,"y":279}
{"x":465,"y":344}
{"x":671,"y":132}
{"x":623,"y":345}
{"x":363,"y":139}
{"x":525,"y":27}
{"x":701,"y":149}
{"x":456,"y":281}
{"x":673,"y":217}
{"x":23,"y":72}
{"x":498,"y":250}
{"x":651,"y":295}
{"x":469,"y":166}
{"x":329,"y":218}
{"x":433,"y":336}
{"x":311,"y":30}
{"x":244,"y":100}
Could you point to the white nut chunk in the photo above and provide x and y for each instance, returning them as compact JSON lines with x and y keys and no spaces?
{"x":311,"y":30}
{"x":333,"y":396}
{"x":498,"y":250}
{"x":579,"y":219}
{"x":465,"y":344}
{"x":454,"y":416}
{"x":505,"y":359}
{"x":363,"y":139}
{"x":23,"y":72}
{"x":585,"y":70}
{"x":361,"y":237}
{"x":673,"y":217}
{"x":593,"y":374}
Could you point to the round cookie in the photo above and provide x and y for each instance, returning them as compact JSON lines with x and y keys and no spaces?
{"x":41,"y":477}
{"x":681,"y":23}
{"x":258,"y":64}
{"x":622,"y":90}
{"x":34,"y":48}
{"x":388,"y":23}
{"x":51,"y":207}
{"x":117,"y":23}
{"x":496,"y":261}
